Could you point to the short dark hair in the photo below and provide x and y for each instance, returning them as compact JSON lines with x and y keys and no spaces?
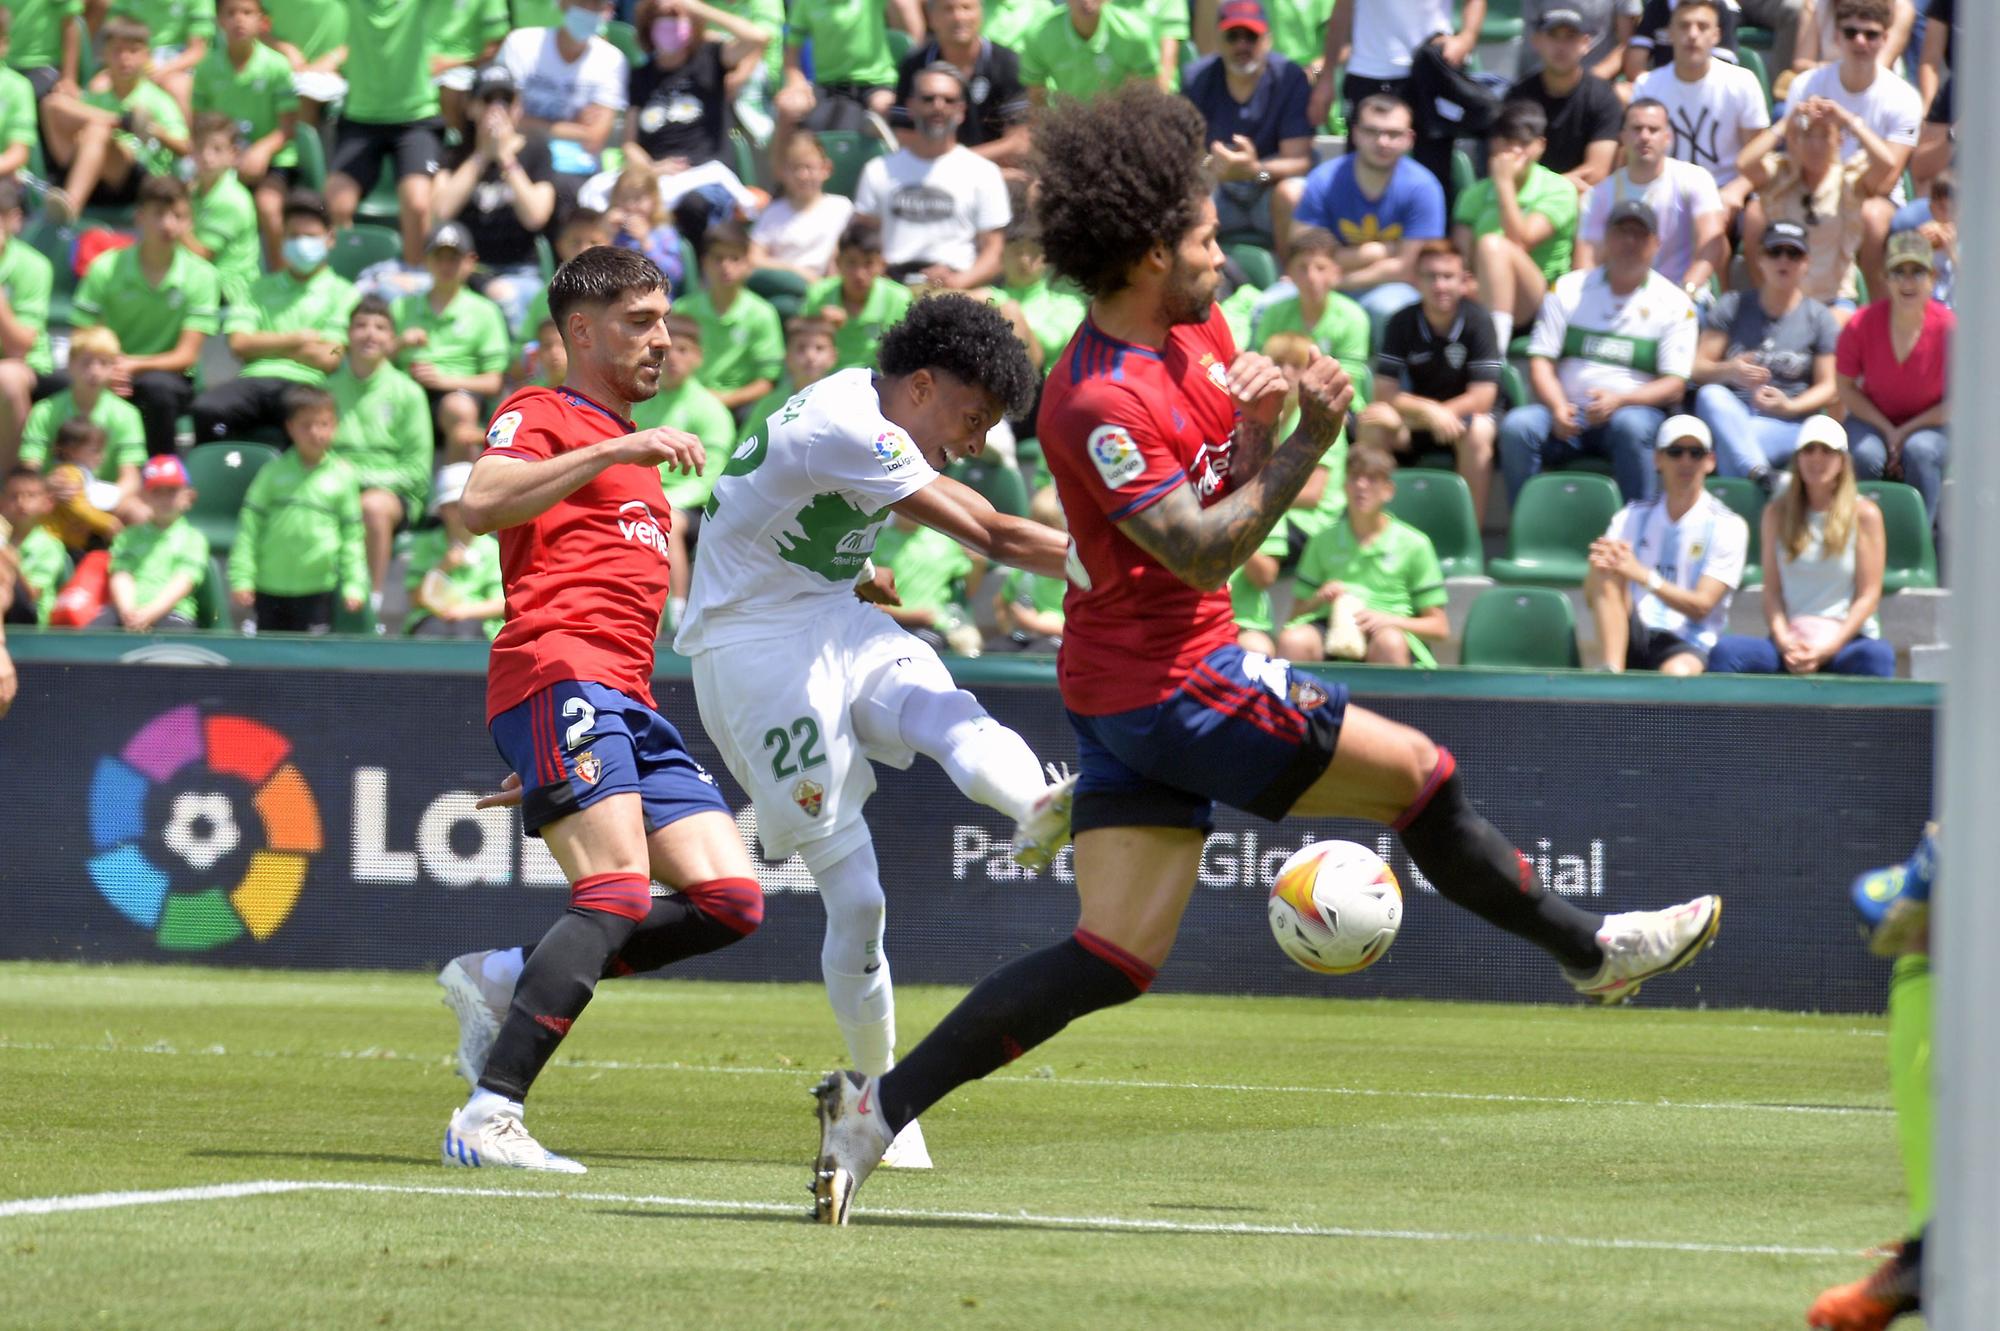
{"x":1371,"y":460}
{"x":583,"y":217}
{"x":373,"y":305}
{"x":77,"y":432}
{"x":1646,"y":104}
{"x":211,"y":122}
{"x":1311,"y":240}
{"x":303,"y":202}
{"x":941,"y":69}
{"x":807,"y":325}
{"x":21,"y":471}
{"x":1382,"y":103}
{"x":684,"y":328}
{"x":966,"y":339}
{"x":302,"y":398}
{"x":1519,"y":121}
{"x":1437,"y":247}
{"x":1121,"y":174}
{"x":1714,"y":7}
{"x":599,"y":276}
{"x":861,"y":236}
{"x":730,"y":235}
{"x":162,"y":190}
{"x":124,"y":28}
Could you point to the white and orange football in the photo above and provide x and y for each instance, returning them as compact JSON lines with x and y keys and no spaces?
{"x":1336,"y":907}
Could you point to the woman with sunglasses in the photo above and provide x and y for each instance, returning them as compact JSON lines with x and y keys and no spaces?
{"x":1825,"y":546}
{"x":1890,"y":365}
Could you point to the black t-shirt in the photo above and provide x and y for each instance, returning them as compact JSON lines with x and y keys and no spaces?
{"x":1655,"y":27}
{"x":1590,"y":113}
{"x":682,"y":112}
{"x":1941,"y":11}
{"x":997,"y":100}
{"x":497,"y":234}
{"x":1439,"y":366}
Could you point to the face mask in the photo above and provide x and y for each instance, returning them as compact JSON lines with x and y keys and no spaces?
{"x":304,"y":253}
{"x":583,"y":24}
{"x":672,"y":35}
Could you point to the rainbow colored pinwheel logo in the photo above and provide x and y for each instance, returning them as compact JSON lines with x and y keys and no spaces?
{"x":167,"y":818}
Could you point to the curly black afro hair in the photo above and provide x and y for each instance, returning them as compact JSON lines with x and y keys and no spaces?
{"x":967,"y":339}
{"x":1119,"y":174}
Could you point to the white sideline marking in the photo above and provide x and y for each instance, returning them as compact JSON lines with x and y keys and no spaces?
{"x":161,"y":1049}
{"x":99,"y":1201}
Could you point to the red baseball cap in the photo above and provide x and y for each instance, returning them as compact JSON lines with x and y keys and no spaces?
{"x":1242,"y":14}
{"x":163,"y":471}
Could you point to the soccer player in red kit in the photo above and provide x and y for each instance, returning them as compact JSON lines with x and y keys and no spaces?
{"x":573,"y":488}
{"x":1160,"y":438}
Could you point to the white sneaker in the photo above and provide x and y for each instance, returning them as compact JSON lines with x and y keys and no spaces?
{"x":1643,"y":943}
{"x":480,"y":1008}
{"x":908,"y":1150}
{"x":501,"y":1142}
{"x":1040,"y":837}
{"x":852,"y":1139}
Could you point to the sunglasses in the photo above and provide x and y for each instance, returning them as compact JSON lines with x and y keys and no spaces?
{"x":1784,"y":252}
{"x":1246,"y":36}
{"x":1909,"y":273}
{"x":1680,"y":452}
{"x":936,"y":98}
{"x":1854,"y":34}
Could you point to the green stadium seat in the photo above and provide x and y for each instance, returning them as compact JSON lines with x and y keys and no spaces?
{"x":381,"y":206}
{"x":626,"y":38}
{"x":1746,"y":500}
{"x":743,"y":157}
{"x":211,"y":597}
{"x":360,"y":621}
{"x":1000,"y":483}
{"x":1757,"y":39}
{"x":220,"y":474}
{"x":311,"y":166}
{"x":1259,"y":265}
{"x":1032,"y":464}
{"x":1439,"y":504}
{"x":785,"y":289}
{"x":361,"y":246}
{"x":56,"y":244}
{"x":1513,"y":388}
{"x":1531,"y":628}
{"x":850,"y":149}
{"x":1556,"y":518}
{"x":1463,"y":175}
{"x":1911,"y":558}
{"x":899,"y":45}
{"x":1748,"y":57}
{"x":545,"y":255}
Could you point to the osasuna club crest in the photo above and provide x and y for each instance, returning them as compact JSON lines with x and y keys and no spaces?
{"x":810,"y":796}
{"x":589,"y":767}
{"x":1305,"y":695}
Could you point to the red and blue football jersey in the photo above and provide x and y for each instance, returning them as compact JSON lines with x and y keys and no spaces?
{"x":586,"y":580}
{"x":1122,"y":426}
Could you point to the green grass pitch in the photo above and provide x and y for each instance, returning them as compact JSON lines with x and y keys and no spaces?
{"x":1179,"y":1162}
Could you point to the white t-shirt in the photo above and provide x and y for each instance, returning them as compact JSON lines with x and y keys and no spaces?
{"x":1709,"y":541}
{"x":1600,"y":339}
{"x":1388,"y":32}
{"x":1713,"y":117}
{"x":807,"y":238}
{"x":1889,"y":105}
{"x":933,"y":209}
{"x":555,"y":89}
{"x":797,"y":511}
{"x":1678,"y":195}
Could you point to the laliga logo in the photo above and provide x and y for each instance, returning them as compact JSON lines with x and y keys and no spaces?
{"x":197,"y":770}
{"x":641,"y":526}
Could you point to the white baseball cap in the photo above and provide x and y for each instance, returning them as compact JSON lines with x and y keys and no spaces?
{"x":1823,"y":430}
{"x":1684,"y":426}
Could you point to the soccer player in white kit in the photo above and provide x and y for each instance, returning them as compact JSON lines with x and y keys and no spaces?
{"x":802,"y":685}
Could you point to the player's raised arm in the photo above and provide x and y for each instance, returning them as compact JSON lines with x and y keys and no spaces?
{"x":1203,"y":546}
{"x":505,"y":491}
{"x":962,"y":513}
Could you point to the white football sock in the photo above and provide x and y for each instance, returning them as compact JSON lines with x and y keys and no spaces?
{"x":1503,"y":328}
{"x":485,"y":1105}
{"x":852,"y":961}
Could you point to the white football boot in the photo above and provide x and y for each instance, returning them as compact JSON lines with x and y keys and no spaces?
{"x":908,"y":1150}
{"x":501,"y":1142}
{"x":1643,"y":943}
{"x":852,"y":1138}
{"x":1040,"y":837}
{"x":480,"y":1007}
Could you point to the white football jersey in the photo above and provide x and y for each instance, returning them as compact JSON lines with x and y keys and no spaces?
{"x":796,"y":513}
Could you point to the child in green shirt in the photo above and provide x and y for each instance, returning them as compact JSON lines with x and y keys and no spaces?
{"x":33,"y":560}
{"x":859,"y":300}
{"x":109,"y":141}
{"x":93,"y":364}
{"x":1053,"y":313}
{"x":1383,"y":571}
{"x":809,"y":358}
{"x":157,"y":564}
{"x":298,"y":542}
{"x":932,"y":572}
{"x":225,"y":216}
{"x":455,"y":585}
{"x":1518,"y":225}
{"x":1028,"y":608}
{"x":454,"y":342}
{"x":1336,"y":323}
{"x":251,"y":83}
{"x":684,"y":404}
{"x":742,"y":332}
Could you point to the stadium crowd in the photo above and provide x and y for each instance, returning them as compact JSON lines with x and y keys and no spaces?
{"x":267,"y":267}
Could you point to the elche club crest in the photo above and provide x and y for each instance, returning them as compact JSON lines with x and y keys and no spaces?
{"x":809,"y":795}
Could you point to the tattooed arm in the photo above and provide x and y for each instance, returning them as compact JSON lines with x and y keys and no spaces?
{"x":1203,"y":546}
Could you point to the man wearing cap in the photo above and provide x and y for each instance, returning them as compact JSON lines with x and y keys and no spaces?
{"x":383,"y":431}
{"x":1765,"y":362}
{"x":1584,"y":112}
{"x":1662,"y":574}
{"x":1610,"y":24}
{"x":1259,"y":140}
{"x":453,"y":341}
{"x":500,"y":185}
{"x":289,"y":330}
{"x":1611,"y":353}
{"x":157,"y":564}
{"x":1683,"y":197}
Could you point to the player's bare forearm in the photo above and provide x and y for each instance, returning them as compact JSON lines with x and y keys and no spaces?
{"x":962,"y":513}
{"x":1251,"y":447}
{"x":505,"y":492}
{"x":1204,"y":546}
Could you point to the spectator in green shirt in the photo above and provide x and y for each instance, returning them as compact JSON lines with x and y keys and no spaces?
{"x":454,"y":342}
{"x":225,"y":216}
{"x":312,"y":36}
{"x":852,"y":71}
{"x":859,"y":300}
{"x":1166,"y":23}
{"x":454,"y":578}
{"x":33,"y":560}
{"x":20,"y":122}
{"x":1028,"y":608}
{"x":291,"y":329}
{"x":182,"y":32}
{"x":809,"y":358}
{"x":543,"y":361}
{"x":391,"y":112}
{"x":298,"y":545}
{"x":742,"y":337}
{"x":27,"y":280}
{"x":1334,"y":321}
{"x":1383,"y":571}
{"x":1087,"y":47}
{"x":161,"y":301}
{"x":932,"y":572}
{"x":108,"y":142}
{"x":157,"y":564}
{"x":251,"y":83}
{"x":683,"y":403}
{"x":85,"y":514}
{"x":1517,"y":226}
{"x":93,"y":363}
{"x":384,"y":432}
{"x":579,"y":229}
{"x":464,"y":36}
{"x":1053,"y":312}
{"x":47,"y":44}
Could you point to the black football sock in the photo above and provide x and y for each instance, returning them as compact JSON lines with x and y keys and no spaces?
{"x":557,"y":982}
{"x":1008,"y":1013}
{"x":1473,"y":866}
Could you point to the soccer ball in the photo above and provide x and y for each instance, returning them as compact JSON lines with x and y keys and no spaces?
{"x":1335,"y":907}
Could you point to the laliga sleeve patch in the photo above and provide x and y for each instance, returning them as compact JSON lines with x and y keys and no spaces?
{"x":501,"y":433}
{"x":1115,"y":456}
{"x":893,"y":449}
